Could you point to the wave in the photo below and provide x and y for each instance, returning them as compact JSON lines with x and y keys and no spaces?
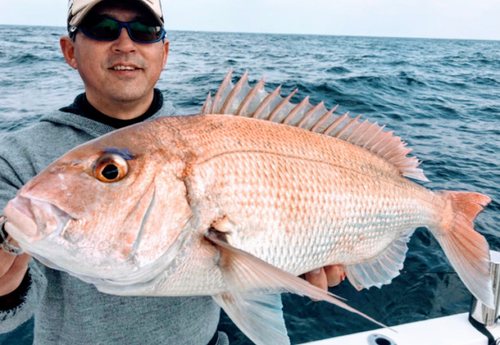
{"x":365,"y":79}
{"x":486,"y":81}
{"x":338,"y":70}
{"x":26,"y":58}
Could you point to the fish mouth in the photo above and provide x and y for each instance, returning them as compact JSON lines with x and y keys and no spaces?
{"x":31,"y":219}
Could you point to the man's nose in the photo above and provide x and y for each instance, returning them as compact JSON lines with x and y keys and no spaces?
{"x":124,"y":44}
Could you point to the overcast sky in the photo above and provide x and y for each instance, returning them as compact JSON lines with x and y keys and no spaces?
{"x":470,"y":19}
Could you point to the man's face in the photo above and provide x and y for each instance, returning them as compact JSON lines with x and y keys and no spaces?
{"x":105,"y":66}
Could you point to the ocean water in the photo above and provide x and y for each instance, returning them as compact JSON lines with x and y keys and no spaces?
{"x":440,"y":96}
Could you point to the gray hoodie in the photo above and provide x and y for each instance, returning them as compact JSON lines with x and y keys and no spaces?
{"x":67,"y":310}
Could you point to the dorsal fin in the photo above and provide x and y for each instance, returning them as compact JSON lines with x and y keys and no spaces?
{"x":242,"y":100}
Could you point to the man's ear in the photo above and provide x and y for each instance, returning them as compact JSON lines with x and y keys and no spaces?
{"x":68,"y":50}
{"x":165,"y":56}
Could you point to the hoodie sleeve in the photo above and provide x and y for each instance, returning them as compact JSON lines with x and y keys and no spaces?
{"x":14,"y":168}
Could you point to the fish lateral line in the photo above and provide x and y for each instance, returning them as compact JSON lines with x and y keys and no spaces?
{"x":290,"y":156}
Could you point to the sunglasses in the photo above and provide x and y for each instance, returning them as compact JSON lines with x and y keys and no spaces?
{"x":109,"y":29}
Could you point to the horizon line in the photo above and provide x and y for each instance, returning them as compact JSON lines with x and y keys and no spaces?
{"x":292,"y":34}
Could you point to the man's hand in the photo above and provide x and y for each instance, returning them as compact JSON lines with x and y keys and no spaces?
{"x":12,"y":270}
{"x":326,"y":276}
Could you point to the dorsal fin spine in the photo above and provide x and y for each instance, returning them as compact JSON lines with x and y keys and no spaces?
{"x":306,"y":117}
{"x":347,"y":127}
{"x":274,"y":114}
{"x":375,"y":135}
{"x":402,"y":160}
{"x":234,"y":92}
{"x":335,"y":124}
{"x":218,"y":95}
{"x":356,"y":130}
{"x":323,"y":119}
{"x":265,"y":103}
{"x":395,"y":152}
{"x":207,"y":104}
{"x":383,"y":142}
{"x":388,"y":146}
{"x":249,"y":98}
{"x":295,"y":110}
{"x":360,"y":133}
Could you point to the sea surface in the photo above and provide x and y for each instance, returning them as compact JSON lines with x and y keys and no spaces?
{"x":440,"y":96}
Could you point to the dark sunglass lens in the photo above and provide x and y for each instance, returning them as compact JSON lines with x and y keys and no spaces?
{"x":144,"y":32}
{"x":105,"y":28}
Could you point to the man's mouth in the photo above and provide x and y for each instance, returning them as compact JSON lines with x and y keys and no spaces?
{"x":124,"y":68}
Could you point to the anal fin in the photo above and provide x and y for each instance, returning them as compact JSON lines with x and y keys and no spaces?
{"x":258,"y":315}
{"x":250,"y":281}
{"x":381,"y":270}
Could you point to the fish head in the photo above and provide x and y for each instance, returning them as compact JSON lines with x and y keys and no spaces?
{"x":112,"y":209}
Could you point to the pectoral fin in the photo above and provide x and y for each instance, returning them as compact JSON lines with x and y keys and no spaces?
{"x":249,"y":280}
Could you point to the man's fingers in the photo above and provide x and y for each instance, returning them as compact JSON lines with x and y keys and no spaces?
{"x":317,"y":278}
{"x":335,"y":274}
{"x":6,"y":259}
{"x":12,"y":270}
{"x":6,"y":262}
{"x":326,"y":276}
{"x":14,"y":276}
{"x":22,"y":261}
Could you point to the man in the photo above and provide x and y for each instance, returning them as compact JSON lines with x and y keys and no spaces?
{"x":119,"y":49}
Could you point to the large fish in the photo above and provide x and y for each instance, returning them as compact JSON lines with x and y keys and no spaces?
{"x":238,"y":205}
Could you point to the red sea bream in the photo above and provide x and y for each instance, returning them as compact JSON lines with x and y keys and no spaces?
{"x":237,"y":202}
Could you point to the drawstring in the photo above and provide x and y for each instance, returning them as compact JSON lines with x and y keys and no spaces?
{"x":4,"y":242}
{"x":215,"y":339}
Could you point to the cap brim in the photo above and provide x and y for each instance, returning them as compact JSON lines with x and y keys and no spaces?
{"x":76,"y":19}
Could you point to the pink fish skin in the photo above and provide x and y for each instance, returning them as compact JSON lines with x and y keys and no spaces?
{"x":232,"y":206}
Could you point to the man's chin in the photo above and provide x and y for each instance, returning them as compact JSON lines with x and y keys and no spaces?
{"x":124,"y":97}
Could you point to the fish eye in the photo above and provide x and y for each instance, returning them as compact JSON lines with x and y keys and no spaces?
{"x":110,"y":168}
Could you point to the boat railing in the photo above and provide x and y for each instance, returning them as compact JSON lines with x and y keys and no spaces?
{"x":478,"y":327}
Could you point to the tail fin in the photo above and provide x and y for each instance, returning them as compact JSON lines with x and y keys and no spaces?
{"x":466,"y":249}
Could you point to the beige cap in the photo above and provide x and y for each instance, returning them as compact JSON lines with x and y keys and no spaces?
{"x":78,"y":9}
